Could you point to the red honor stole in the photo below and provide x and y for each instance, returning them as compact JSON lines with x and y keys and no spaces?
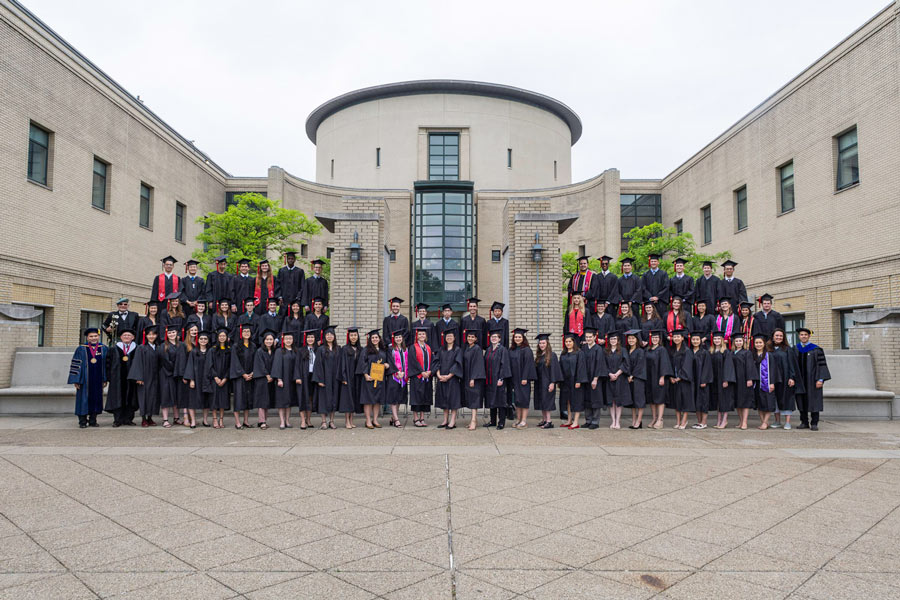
{"x":161,"y":294}
{"x":420,"y":357}
{"x":257,"y":292}
{"x":576,"y":322}
{"x":585,"y":283}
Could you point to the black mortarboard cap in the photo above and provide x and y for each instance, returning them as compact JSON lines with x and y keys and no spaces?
{"x":520,"y":330}
{"x":765,"y":297}
{"x":653,"y":255}
{"x":221,"y":259}
{"x":679,"y":260}
{"x":497,"y":330}
{"x":318,"y":299}
{"x":605,"y":258}
{"x":585,"y":257}
{"x":677,"y":297}
{"x":167,"y":259}
{"x":173,"y":327}
{"x":396,"y":299}
{"x":497,"y":305}
{"x":718,"y":333}
{"x":542,"y":336}
{"x":174,"y":296}
{"x":244,"y":261}
{"x":421,"y":328}
{"x":375,"y":332}
{"x":473,"y":299}
{"x":761,"y":336}
{"x":446,"y":307}
{"x":707,"y":263}
{"x":746,"y":303}
{"x":205,"y":333}
{"x":265,"y":260}
{"x":90,"y":330}
{"x":680,"y":331}
{"x":290,"y":253}
{"x":628,"y":259}
{"x":729,"y":263}
{"x":192,"y":262}
{"x":635,"y":332}
{"x":724,"y":299}
{"x":122,"y":330}
{"x":800,"y":329}
{"x":590,"y":330}
{"x":318,"y":261}
{"x":222,"y":329}
{"x":421,"y":305}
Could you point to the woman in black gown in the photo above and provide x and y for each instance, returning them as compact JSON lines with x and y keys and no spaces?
{"x":286,"y":373}
{"x":496,"y":370}
{"x":722,"y":389}
{"x":745,"y":374}
{"x":636,"y":362}
{"x":788,"y":368}
{"x":145,"y":373}
{"x":243,"y":355}
{"x":224,"y":319}
{"x":575,"y":376}
{"x":547,"y":376}
{"x":397,"y":384}
{"x":349,"y":396}
{"x":371,"y":392}
{"x":702,"y":378}
{"x":618,"y":392}
{"x":307,"y":392}
{"x":220,"y":371}
{"x":168,"y":383}
{"x":659,"y":370}
{"x":473,"y":377}
{"x":264,"y":384}
{"x":449,"y":372}
{"x":326,"y":375}
{"x":196,"y":372}
{"x":682,"y":390}
{"x":421,"y":369}
{"x":522,"y":373}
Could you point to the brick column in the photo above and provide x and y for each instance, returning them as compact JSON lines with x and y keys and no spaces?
{"x":878,"y":331}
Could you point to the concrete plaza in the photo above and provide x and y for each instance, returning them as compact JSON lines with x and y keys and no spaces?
{"x":427,"y":513}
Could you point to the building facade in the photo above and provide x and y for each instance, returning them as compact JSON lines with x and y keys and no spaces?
{"x":451,"y":189}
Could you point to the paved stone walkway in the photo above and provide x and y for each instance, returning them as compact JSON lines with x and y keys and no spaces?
{"x":421,"y":514}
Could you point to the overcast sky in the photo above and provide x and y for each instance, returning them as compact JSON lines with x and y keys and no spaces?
{"x":653,"y":81}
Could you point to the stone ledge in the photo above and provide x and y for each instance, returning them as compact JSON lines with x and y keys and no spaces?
{"x":329,"y":219}
{"x":851,"y":394}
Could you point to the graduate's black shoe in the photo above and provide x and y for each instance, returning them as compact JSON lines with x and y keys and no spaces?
{"x":640,"y":426}
{"x":491,"y":424}
{"x":594,"y":426}
{"x":510,"y":413}
{"x":93,"y":424}
{"x":803,"y":426}
{"x":563,"y":416}
{"x":814,"y":427}
{"x":501,"y":425}
{"x":117,"y":424}
{"x":130,"y":423}
{"x":82,"y":425}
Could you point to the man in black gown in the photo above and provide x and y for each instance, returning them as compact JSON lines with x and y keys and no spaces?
{"x":219,"y":284}
{"x":396,"y":322}
{"x":730,"y":286}
{"x":474,"y":322}
{"x":165,"y":283}
{"x":243,"y":286}
{"x":192,"y":287}
{"x":125,"y":319}
{"x":655,"y":285}
{"x":767,"y":320}
{"x":316,"y":286}
{"x":291,"y":279}
{"x":443,"y":324}
{"x":706,"y":288}
{"x":682,"y":285}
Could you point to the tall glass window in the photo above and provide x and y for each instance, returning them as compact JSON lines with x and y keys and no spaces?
{"x":706,"y":218}
{"x":98,"y":193}
{"x":443,"y":156}
{"x":144,"y":217}
{"x":231,"y":198}
{"x":638,"y":210}
{"x":38,"y":154}
{"x":791,"y":324}
{"x":679,"y":226}
{"x":443,"y":232}
{"x":740,"y":207}
{"x":179,"y":222}
{"x":848,"y":160}
{"x":786,"y":176}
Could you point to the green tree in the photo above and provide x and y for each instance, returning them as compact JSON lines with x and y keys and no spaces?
{"x":250,"y":228}
{"x":669,"y":244}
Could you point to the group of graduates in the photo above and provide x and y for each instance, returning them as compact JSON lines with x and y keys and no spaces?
{"x":181,"y":361}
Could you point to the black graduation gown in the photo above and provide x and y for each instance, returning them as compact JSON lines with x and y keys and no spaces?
{"x":441,"y":326}
{"x":744,"y":370}
{"x":168,"y":383}
{"x":704,"y":325}
{"x":607,"y":288}
{"x":122,"y":393}
{"x":219,"y":360}
{"x":264,"y":294}
{"x":243,"y":290}
{"x":544,"y":399}
{"x":734,"y":290}
{"x":656,"y":284}
{"x":219,"y":286}
{"x":708,"y":290}
{"x":197,"y":370}
{"x":467,"y":323}
{"x":145,"y":368}
{"x":648,"y":326}
{"x":721,"y":399}
{"x":182,"y":387}
{"x":290,"y":284}
{"x":501,"y":323}
{"x":128,"y":320}
{"x":251,"y":320}
{"x":605,"y":325}
{"x":315,"y":287}
{"x":636,"y":362}
{"x":595,"y":365}
{"x":788,"y":368}
{"x":289,"y":324}
{"x":702,"y":373}
{"x":313,"y":321}
{"x":812,"y":367}
{"x":218,"y":321}
{"x":684,"y":287}
{"x":672,"y":321}
{"x":349,"y":396}
{"x":263,"y":390}
{"x":286,"y":366}
{"x":392,"y":323}
{"x":191,"y":290}
{"x":767,"y":324}
{"x":203,"y":323}
{"x":373,"y":392}
{"x":627,"y":323}
{"x":473,"y":370}
{"x":572,"y":320}
{"x":430,"y":335}
{"x":242,"y":359}
{"x":496,"y":367}
{"x":448,"y":394}
{"x":307,"y":392}
{"x":327,"y":370}
{"x":165,"y":320}
{"x":657,"y":364}
{"x":628,"y":289}
{"x":617,"y":392}
{"x":766,"y":401}
{"x":171,"y":282}
{"x":590,"y":291}
{"x":142,"y":324}
{"x":521,"y":368}
{"x":420,"y":389}
{"x":682,"y":392}
{"x":572,"y":367}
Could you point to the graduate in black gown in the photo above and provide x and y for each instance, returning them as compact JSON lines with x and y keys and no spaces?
{"x":707,"y":286}
{"x":788,"y":369}
{"x":682,"y":284}
{"x":87,"y":372}
{"x":682,"y":390}
{"x":730,"y":286}
{"x":243,"y":355}
{"x":168,"y":382}
{"x":618,"y":392}
{"x":722,"y":389}
{"x":286,"y":373}
{"x":220,"y":372}
{"x":264,"y":384}
{"x":702,"y":378}
{"x":189,"y":340}
{"x":291,"y":280}
{"x":219,"y":285}
{"x":448,"y":322}
{"x":396,"y":322}
{"x":659,"y":370}
{"x":422,"y":322}
{"x":145,"y":373}
{"x":308,"y":391}
{"x":174,"y":314}
{"x":165,"y":283}
{"x":448,"y":372}
{"x":199,"y":381}
{"x":317,"y":320}
{"x":812,"y":374}
{"x":655,"y":284}
{"x":265,"y":287}
{"x":498,"y":321}
{"x":522,"y":373}
{"x":326,"y":375}
{"x":372,"y":391}
{"x":421,"y":374}
{"x":547,"y":377}
{"x":349,"y":396}
{"x":496,"y":371}
{"x":575,"y":377}
{"x":628,"y":286}
{"x":702,"y":322}
{"x":151,"y":319}
{"x":193,"y":287}
{"x":121,"y":399}
{"x":253,"y":321}
{"x":224,"y":319}
{"x":650,"y":321}
{"x":636,"y":362}
{"x":242,"y":285}
{"x":763,"y":358}
{"x":626,"y":319}
{"x":598,"y":377}
{"x":473,"y":377}
{"x":293,"y":321}
{"x":578,"y":317}
{"x":604,"y":323}
{"x":316,"y":286}
{"x":472,"y":321}
{"x":396,"y":391}
{"x":201,"y":319}
{"x":745,"y":375}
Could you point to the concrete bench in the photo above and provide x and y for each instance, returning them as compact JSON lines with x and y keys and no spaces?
{"x":39,"y":383}
{"x":851,"y":393}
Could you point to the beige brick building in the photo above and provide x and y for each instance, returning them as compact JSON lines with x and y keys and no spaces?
{"x":448,"y":186}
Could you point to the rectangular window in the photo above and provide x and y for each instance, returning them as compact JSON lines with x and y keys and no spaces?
{"x":786,"y":187}
{"x":679,"y":226}
{"x":91,"y":319}
{"x":179,"y":222}
{"x":638,"y":210}
{"x":791,"y":324}
{"x":740,"y":208}
{"x":144,"y":216}
{"x":329,"y":252}
{"x":495,"y":256}
{"x":847,"y":160}
{"x":554,"y":170}
{"x":392,"y":253}
{"x":98,"y":193}
{"x":304,"y":250}
{"x":846,"y":323}
{"x":377,"y":157}
{"x":443,"y":156}
{"x":582,"y":249}
{"x":332,"y":168}
{"x":38,"y":154}
{"x":509,"y":158}
{"x":706,"y":219}
{"x":231,"y":198}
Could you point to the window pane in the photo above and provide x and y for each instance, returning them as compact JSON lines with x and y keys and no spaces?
{"x":456,"y":209}
{"x":37,"y":162}
{"x":455,"y":242}
{"x":787,"y":170}
{"x":431,"y":253}
{"x":433,"y":230}
{"x":432,"y":265}
{"x":847,"y":140}
{"x":787,"y":195}
{"x":36,"y":134}
{"x":179,"y":221}
{"x":99,"y":168}
{"x":455,"y":253}
{"x":431,"y":242}
{"x":98,"y":191}
{"x":455,"y":275}
{"x":848,"y":167}
{"x":454,"y":286}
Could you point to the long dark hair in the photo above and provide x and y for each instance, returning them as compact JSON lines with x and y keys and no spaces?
{"x":575,"y":347}
{"x":512,"y":342}
{"x":784,"y":344}
{"x":543,"y":355}
{"x":372,"y":348}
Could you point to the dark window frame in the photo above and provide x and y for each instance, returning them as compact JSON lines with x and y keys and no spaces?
{"x":679,"y":226}
{"x":180,"y":220}
{"x":785,"y":182}
{"x":792,"y":322}
{"x":850,"y":154}
{"x":440,"y":153}
{"x":496,"y":256}
{"x":706,"y":223}
{"x":741,"y":205}
{"x":378,"y":158}
{"x":44,"y":147}
{"x":104,"y":176}
{"x":148,"y":201}
{"x":637,"y":210}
